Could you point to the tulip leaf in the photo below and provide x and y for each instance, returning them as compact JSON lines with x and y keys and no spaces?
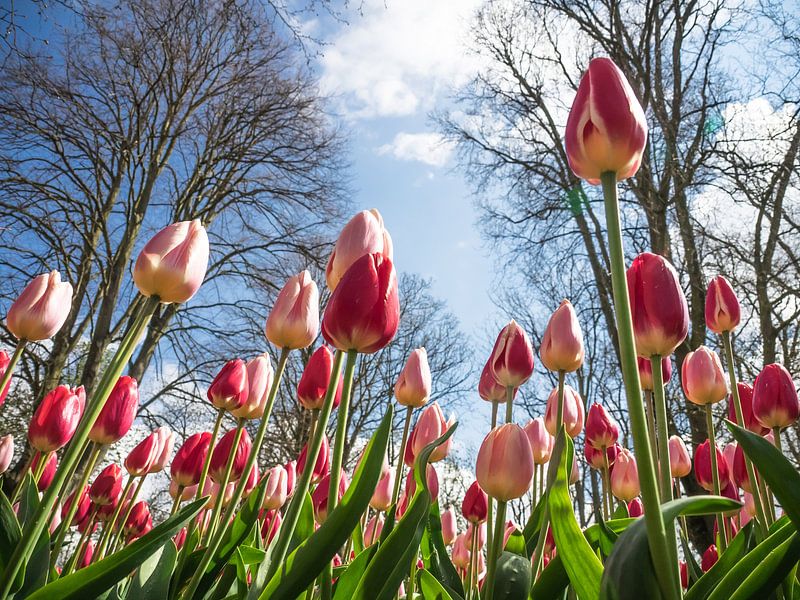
{"x":430,"y":587}
{"x":305,"y":523}
{"x":736,"y":550}
{"x":97,"y":578}
{"x":513,"y":577}
{"x":534,"y":525}
{"x":552,"y":581}
{"x":347,"y":582}
{"x":629,"y":571}
{"x":153,"y":576}
{"x":768,"y":575}
{"x":434,"y":553}
{"x":309,"y":559}
{"x":10,"y":534}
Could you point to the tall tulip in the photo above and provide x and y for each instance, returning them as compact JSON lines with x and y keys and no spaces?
{"x":41,"y":309}
{"x":188,"y":461}
{"x":562,"y":342}
{"x":512,"y":356}
{"x":230,"y":388}
{"x":314,"y":381}
{"x":475,"y":505}
{"x":323,"y":464}
{"x":139,"y":522}
{"x":680,"y":463}
{"x":540,"y":440}
{"x":746,"y":399}
{"x":775,"y":402}
{"x":5,"y":374}
{"x":223,"y":450}
{"x":363,"y":234}
{"x":594,"y":457}
{"x":646,"y":372}
{"x":144,"y":455}
{"x":382,"y":496}
{"x":413,"y":387}
{"x":293,"y":321}
{"x":722,"y":306}
{"x":6,"y":452}
{"x":259,"y":381}
{"x":573,"y":412}
{"x":449,"y":526}
{"x":276,"y":491}
{"x":118,"y":413}
{"x":55,"y":419}
{"x":48,"y":471}
{"x":430,"y":426}
{"x":488,"y":387}
{"x":107,"y":486}
{"x":505,"y":463}
{"x":703,"y":467}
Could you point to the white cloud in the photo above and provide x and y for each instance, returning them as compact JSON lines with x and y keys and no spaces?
{"x":428,"y":148}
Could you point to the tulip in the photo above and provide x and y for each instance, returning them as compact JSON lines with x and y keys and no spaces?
{"x":602,"y":430}
{"x":84,"y":505}
{"x":475,"y":505}
{"x":41,"y":309}
{"x":749,"y":507}
{"x":625,"y":477}
{"x":710,"y":558}
{"x":139,"y":522}
{"x":6,"y":452}
{"x":635,"y":508}
{"x":187,"y":493}
{"x":363,"y":312}
{"x":680,"y":464}
{"x":540,"y":440}
{"x":363,"y":234}
{"x":430,"y":426}
{"x":217,"y":495}
{"x":594,"y":456}
{"x":505,"y":463}
{"x":658,"y":307}
{"x":272,"y":523}
{"x":166,"y":439}
{"x":55,"y":520}
{"x":141,"y":459}
{"x":702,"y":377}
{"x":739,"y":471}
{"x":276,"y":489}
{"x":180,"y":538}
{"x":646,"y":372}
{"x":291,"y":477}
{"x":461,"y":551}
{"x":382,"y":496}
{"x":372,"y":532}
{"x":319,"y":498}
{"x":684,"y":575}
{"x":118,"y":413}
{"x":5,"y":361}
{"x":219,"y":457}
{"x":86,"y":555}
{"x":259,"y":382}
{"x":702,"y":466}
{"x":56,"y":418}
{"x":573,"y":412}
{"x":315,"y":379}
{"x":722,"y":306}
{"x":512,"y":356}
{"x":49,"y":471}
{"x":562,"y":342}
{"x":230,"y":388}
{"x":252,"y":481}
{"x":488,"y":387}
{"x":188,"y":462}
{"x":413,"y":387}
{"x":729,"y":452}
{"x":107,"y":487}
{"x":294,"y":320}
{"x":173,"y":263}
{"x":746,"y":399}
{"x":323,"y":464}
{"x":575,"y":474}
{"x":606,"y":128}
{"x":431,"y":478}
{"x":449,"y":526}
{"x":775,"y":402}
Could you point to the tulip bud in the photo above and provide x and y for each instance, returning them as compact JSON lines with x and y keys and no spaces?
{"x":56,"y":418}
{"x":488,"y":387}
{"x":41,"y":309}
{"x":319,"y":498}
{"x":117,"y":415}
{"x":775,"y":402}
{"x":86,"y":555}
{"x":223,"y":449}
{"x":540,"y":440}
{"x":749,"y":505}
{"x":575,"y":474}
{"x":702,"y":377}
{"x":625,"y":477}
{"x":739,"y":471}
{"x":294,"y":320}
{"x":606,"y":128}
{"x":272,"y":523}
{"x":252,"y":481}
{"x":372,"y":532}
{"x":573,"y":412}
{"x":413,"y":387}
{"x":646,"y":372}
{"x":173,"y":263}
{"x":5,"y":361}
{"x":680,"y":464}
{"x":166,"y":439}
{"x":729,"y":452}
{"x":602,"y":430}
{"x":139,"y":522}
{"x":658,"y":307}
{"x":635,"y":508}
{"x":382,"y":496}
{"x":259,"y":382}
{"x":746,"y":402}
{"x":363,"y":312}
{"x":505,"y":463}
{"x":594,"y":456}
{"x":562,"y":342}
{"x":323,"y":464}
{"x":276,"y":489}
{"x":291,"y":477}
{"x":230,"y":388}
{"x":55,"y":519}
{"x":431,"y":478}
{"x":461,"y":552}
{"x":49,"y":471}
{"x":512,"y":356}
{"x":188,"y":462}
{"x":6,"y":452}
{"x":430,"y":426}
{"x":141,"y":459}
{"x":475,"y":505}
{"x":84,"y":504}
{"x":180,"y":538}
{"x":684,"y":575}
{"x":107,"y":487}
{"x":722,"y":306}
{"x":363,"y":234}
{"x":449,"y":526}
{"x":315,"y":379}
{"x":702,"y":466}
{"x":710,"y":558}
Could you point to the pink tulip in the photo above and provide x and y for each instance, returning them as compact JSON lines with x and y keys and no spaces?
{"x":118,"y":412}
{"x":646,"y":372}
{"x":166,"y":439}
{"x":702,"y":377}
{"x":475,"y":505}
{"x":372,"y":532}
{"x":5,"y":360}
{"x":319,"y":498}
{"x":746,"y":402}
{"x":141,"y":459}
{"x":41,"y":309}
{"x":413,"y":387}
{"x":775,"y":402}
{"x":540,"y":440}
{"x":187,"y":493}
{"x":272,"y":523}
{"x":680,"y":464}
{"x":49,"y":471}
{"x":188,"y":462}
{"x":625,"y":477}
{"x":635,"y":508}
{"x":173,"y":263}
{"x":488,"y":387}
{"x":276,"y":489}
{"x":749,"y":507}
{"x":602,"y":430}
{"x":562,"y":342}
{"x":512,"y":356}
{"x":316,"y":377}
{"x":223,"y":449}
{"x":702,"y":466}
{"x":84,"y":505}
{"x":252,"y":480}
{"x":382,"y":496}
{"x":230,"y":389}
{"x":461,"y":551}
{"x":449,"y":526}
{"x":323,"y":463}
{"x":291,"y":477}
{"x":594,"y":456}
{"x":573,"y":412}
{"x":56,"y":418}
{"x":363,"y":234}
{"x":86,"y":555}
{"x":6,"y":452}
{"x":505,"y":463}
{"x":430,"y":426}
{"x":294,"y":320}
{"x":575,"y":474}
{"x":722,"y":306}
{"x":259,"y":382}
{"x":431,"y":478}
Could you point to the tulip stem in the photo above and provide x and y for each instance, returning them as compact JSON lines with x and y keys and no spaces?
{"x":651,"y":424}
{"x":108,"y":530}
{"x":606,"y":485}
{"x":662,"y":444}
{"x":712,"y":450}
{"x":207,"y":462}
{"x":664,"y":560}
{"x":472,"y":575}
{"x":495,"y":550}
{"x":490,"y":507}
{"x":23,"y":473}
{"x":177,"y":501}
{"x":6,"y":376}
{"x":81,"y":542}
{"x":43,"y":459}
{"x":399,"y":471}
{"x":224,"y":483}
{"x":534,"y":486}
{"x":238,"y":492}
{"x":560,"y":409}
{"x":509,"y":403}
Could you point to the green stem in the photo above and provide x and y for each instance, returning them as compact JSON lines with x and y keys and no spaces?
{"x":495,"y":551}
{"x":664,"y":561}
{"x":398,"y":475}
{"x":490,"y":509}
{"x":6,"y":377}
{"x":650,"y":415}
{"x":176,"y":502}
{"x":472,"y":575}
{"x":606,"y":486}
{"x":81,"y":542}
{"x":224,"y":483}
{"x":509,"y":403}
{"x":534,"y":486}
{"x":560,"y":408}
{"x":412,"y":579}
{"x":119,"y":534}
{"x":108,"y":530}
{"x":24,"y":472}
{"x":712,"y":449}
{"x":660,"y":414}
{"x":207,"y":462}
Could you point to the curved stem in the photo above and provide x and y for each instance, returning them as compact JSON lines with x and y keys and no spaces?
{"x":495,"y":551}
{"x":6,"y":376}
{"x":398,"y":475}
{"x":176,"y":502}
{"x":712,"y":448}
{"x":224,"y":483}
{"x":660,"y":414}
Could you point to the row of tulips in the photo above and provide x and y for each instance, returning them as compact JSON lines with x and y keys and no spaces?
{"x":240,"y":529}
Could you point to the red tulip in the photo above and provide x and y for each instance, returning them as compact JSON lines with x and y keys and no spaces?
{"x":449,"y":526}
{"x":56,"y":418}
{"x":276,"y":489}
{"x":173,"y":263}
{"x":86,"y":555}
{"x":5,"y":360}
{"x":291,"y":477}
{"x":461,"y":555}
{"x":658,"y":307}
{"x":84,"y":504}
{"x":602,"y":430}
{"x":710,"y":558}
{"x":223,"y":449}
{"x":272,"y":522}
{"x":363,"y":234}
{"x":512,"y":356}
{"x":635,"y":508}
{"x":684,"y":575}
{"x":41,"y":309}
{"x":739,"y":471}
{"x":413,"y":387}
{"x":594,"y":456}
{"x":141,"y":459}
{"x":259,"y":382}
{"x":573,"y":412}
{"x":180,"y":538}
{"x":118,"y":413}
{"x":680,"y":464}
{"x":6,"y":452}
{"x":646,"y":372}
{"x":775,"y":402}
{"x":188,"y":462}
{"x":323,"y":463}
{"x":722,"y":306}
{"x":430,"y":426}
{"x":372,"y":532}
{"x":625,"y":477}
{"x":606,"y":127}
{"x":488,"y":387}
{"x":505,"y":463}
{"x":315,"y":379}
{"x":230,"y":388}
{"x":562,"y":342}
{"x":746,"y":402}
{"x":293,"y":321}
{"x":319,"y":498}
{"x":475,"y":505}
{"x":432,"y":479}
{"x":48,"y":472}
{"x":702,"y":466}
{"x":540,"y":440}
{"x":702,"y":377}
{"x":363,"y":312}
{"x":139,"y":522}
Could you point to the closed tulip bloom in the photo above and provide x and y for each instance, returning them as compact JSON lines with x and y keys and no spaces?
{"x":319,"y":498}
{"x":118,"y":413}
{"x":625,"y":477}
{"x":323,"y":463}
{"x":363,"y":312}
{"x":230,"y":388}
{"x":276,"y":489}
{"x":540,"y":440}
{"x":606,"y":128}
{"x":56,"y":418}
{"x":363,"y":234}
{"x":252,"y":480}
{"x":413,"y":387}
{"x":702,"y":466}
{"x":602,"y":430}
{"x":684,"y":570}
{"x":635,"y":508}
{"x":562,"y":342}
{"x":680,"y":464}
{"x":658,"y":307}
{"x":187,"y":493}
{"x":575,"y":474}
{"x":382,"y":496}
{"x":430,"y":426}
{"x":431,"y":478}
{"x":139,"y":522}
{"x":107,"y":487}
{"x":141,"y":459}
{"x":84,"y":505}
{"x":729,"y":452}
{"x":372,"y":532}
{"x":461,"y":554}
{"x":294,"y":320}
{"x":86,"y":555}
{"x":6,"y":452}
{"x":166,"y":439}
{"x":272,"y":523}
{"x":291,"y":477}
{"x":739,"y":470}
{"x":173,"y":263}
{"x":646,"y":372}
{"x":5,"y":360}
{"x":49,"y":471}
{"x":315,"y":379}
{"x":746,"y":402}
{"x":722,"y":306}
{"x":775,"y":402}
{"x":259,"y":381}
{"x":41,"y":309}
{"x":512,"y":356}
{"x":188,"y":462}
{"x":505,"y":463}
{"x":749,"y":506}
{"x":475,"y":505}
{"x":710,"y":558}
{"x":449,"y":526}
{"x":594,"y":456}
{"x":223,"y":449}
{"x":488,"y":387}
{"x":573,"y":412}
{"x":702,"y":377}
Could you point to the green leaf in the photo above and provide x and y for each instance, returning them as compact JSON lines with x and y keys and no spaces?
{"x":513,"y":578}
{"x":309,"y":559}
{"x":534,"y":525}
{"x":629,"y":570}
{"x":553,"y":580}
{"x":250,"y":555}
{"x":347,"y":582}
{"x":434,"y":553}
{"x":95,"y":579}
{"x":770,"y":573}
{"x":305,"y":523}
{"x":621,"y":512}
{"x":736,"y":550}
{"x":10,"y":534}
{"x":581,"y":563}
{"x":430,"y":588}
{"x":153,"y":577}
{"x":516,"y":544}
